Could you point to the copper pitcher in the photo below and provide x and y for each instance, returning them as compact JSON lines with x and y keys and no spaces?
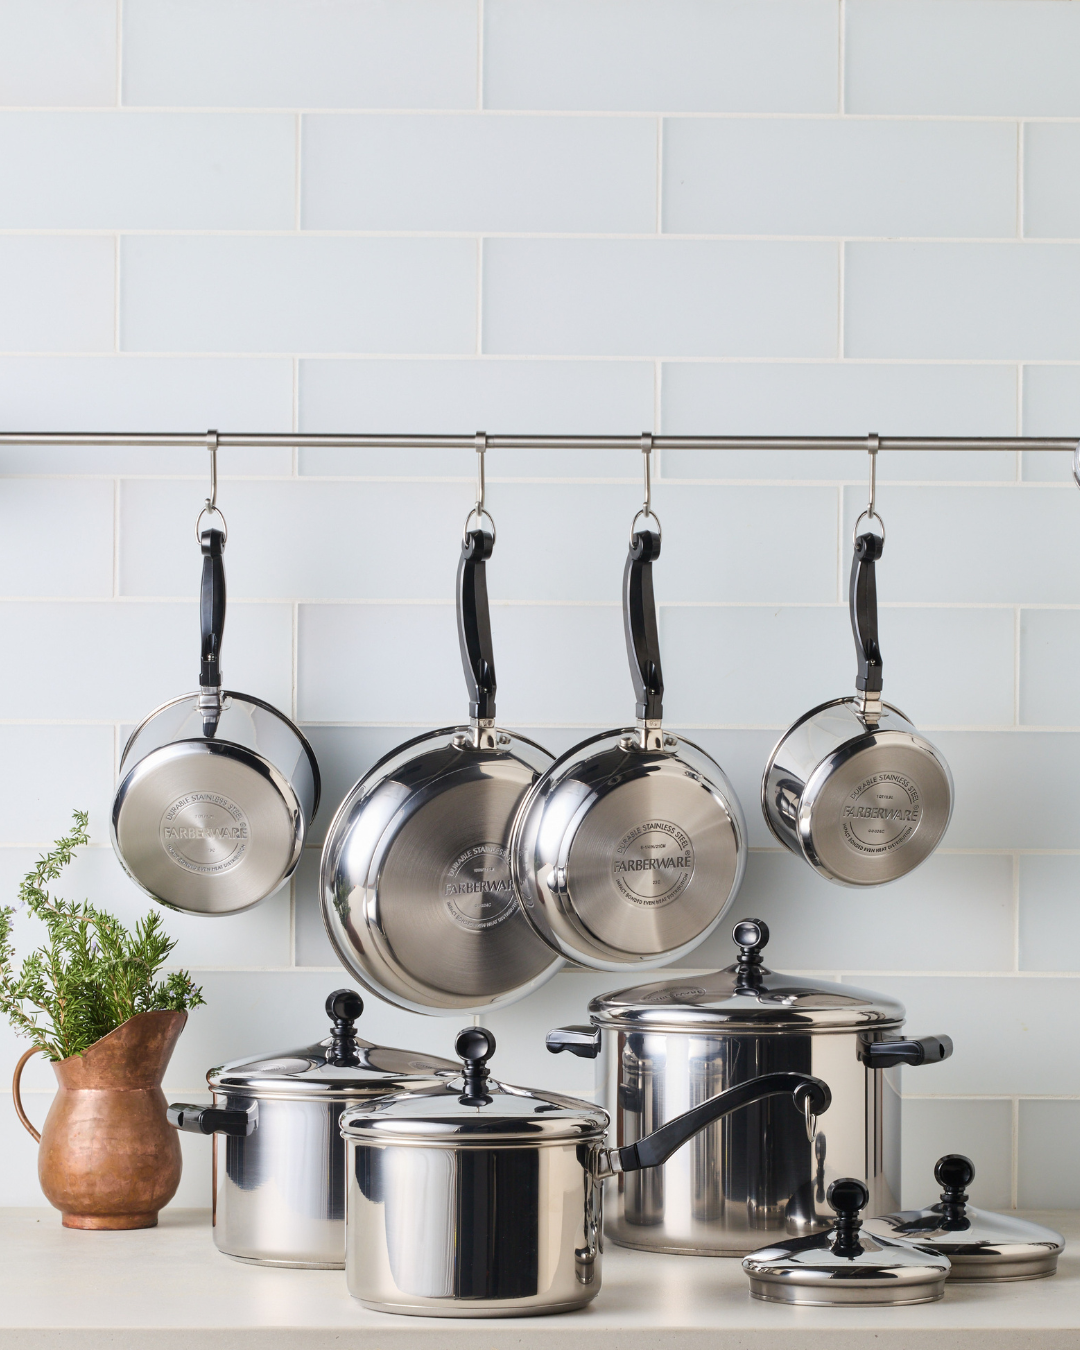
{"x":108,"y":1156}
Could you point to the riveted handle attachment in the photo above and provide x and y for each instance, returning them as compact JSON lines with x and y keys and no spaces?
{"x":639,"y":625}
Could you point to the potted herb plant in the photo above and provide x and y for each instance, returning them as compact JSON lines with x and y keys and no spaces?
{"x":89,"y":1000}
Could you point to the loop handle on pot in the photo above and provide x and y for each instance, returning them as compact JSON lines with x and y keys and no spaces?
{"x":862,"y":602}
{"x":474,"y":630}
{"x":656,"y":1148}
{"x":212,"y":624}
{"x":639,"y":625}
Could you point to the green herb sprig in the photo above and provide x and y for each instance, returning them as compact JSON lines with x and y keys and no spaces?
{"x":93,"y":974}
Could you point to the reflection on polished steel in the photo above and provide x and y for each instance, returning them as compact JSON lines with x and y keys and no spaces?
{"x":862,"y":804}
{"x":661,"y":1048}
{"x":846,"y":1265}
{"x":600,"y":806}
{"x":980,"y":1245}
{"x":478,"y":1199}
{"x":214,"y":824}
{"x":416,"y":889}
{"x":278,"y":1157}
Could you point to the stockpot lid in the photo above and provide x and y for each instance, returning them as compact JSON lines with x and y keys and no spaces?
{"x":846,"y":1265}
{"x":340,"y":1065}
{"x":746,"y":996}
{"x":980,"y":1244}
{"x":472,"y":1109}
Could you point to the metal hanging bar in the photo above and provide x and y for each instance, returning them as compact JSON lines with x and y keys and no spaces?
{"x":467,"y":441}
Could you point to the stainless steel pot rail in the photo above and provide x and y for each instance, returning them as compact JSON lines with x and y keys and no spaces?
{"x":370,"y":440}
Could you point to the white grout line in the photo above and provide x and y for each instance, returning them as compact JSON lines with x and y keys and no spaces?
{"x":479,"y":55}
{"x":119,"y":53}
{"x":841,"y":57}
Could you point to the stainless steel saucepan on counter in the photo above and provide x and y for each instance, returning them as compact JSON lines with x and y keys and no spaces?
{"x":852,"y":787}
{"x":476,"y":1199}
{"x":661,"y":1048}
{"x":217,"y":789}
{"x":278,"y":1157}
{"x":630,"y":847}
{"x":416,"y":891}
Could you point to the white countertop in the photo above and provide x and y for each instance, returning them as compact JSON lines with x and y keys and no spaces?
{"x":168,"y":1288}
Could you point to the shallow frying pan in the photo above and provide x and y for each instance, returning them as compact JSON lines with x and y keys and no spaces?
{"x":629,"y":849}
{"x":416,"y":890}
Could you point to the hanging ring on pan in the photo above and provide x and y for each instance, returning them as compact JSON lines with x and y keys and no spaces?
{"x":645,"y":515}
{"x":211,"y":507}
{"x":873,"y":445}
{"x":810,"y":1116}
{"x":479,"y":514}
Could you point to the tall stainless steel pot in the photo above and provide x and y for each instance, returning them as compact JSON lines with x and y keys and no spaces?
{"x":663,"y":1048}
{"x":476,"y":1199}
{"x":279,"y":1159}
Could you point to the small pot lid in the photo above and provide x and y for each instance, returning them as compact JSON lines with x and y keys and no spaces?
{"x":846,"y":1264}
{"x":747,"y":996}
{"x":980,"y":1244}
{"x":472,"y":1109}
{"x":340,"y":1065}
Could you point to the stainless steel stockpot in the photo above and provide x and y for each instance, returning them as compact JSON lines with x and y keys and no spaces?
{"x":661,"y":1048}
{"x":852,"y":787}
{"x":217,"y":789}
{"x":476,"y":1199}
{"x":630,"y":847}
{"x":416,"y":891}
{"x":278,"y":1158}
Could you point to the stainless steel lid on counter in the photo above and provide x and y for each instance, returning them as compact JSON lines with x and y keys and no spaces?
{"x":846,"y":1265}
{"x":746,"y":995}
{"x":980,"y":1244}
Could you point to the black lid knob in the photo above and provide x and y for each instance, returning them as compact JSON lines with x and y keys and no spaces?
{"x":344,"y":1006}
{"x":848,"y":1196}
{"x":751,"y":935}
{"x":475,"y":1045}
{"x":954,"y":1172}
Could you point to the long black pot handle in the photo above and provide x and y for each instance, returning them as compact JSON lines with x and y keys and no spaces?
{"x":883,"y":1054}
{"x":862,"y":602}
{"x":212,"y":606}
{"x":474,"y":624}
{"x":639,"y":625}
{"x":657,"y":1148}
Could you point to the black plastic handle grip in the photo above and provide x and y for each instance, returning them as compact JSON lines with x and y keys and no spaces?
{"x":919,"y":1050}
{"x":212,"y":606}
{"x":210,"y":1119}
{"x":474,"y":623}
{"x":657,"y":1148}
{"x":581,"y":1041}
{"x":862,"y":602}
{"x":639,"y":625}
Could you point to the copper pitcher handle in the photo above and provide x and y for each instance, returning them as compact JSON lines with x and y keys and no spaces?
{"x":34,"y":1050}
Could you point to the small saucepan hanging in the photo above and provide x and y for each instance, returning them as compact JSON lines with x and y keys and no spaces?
{"x":852,"y":786}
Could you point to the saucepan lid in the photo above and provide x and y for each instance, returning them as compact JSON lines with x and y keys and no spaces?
{"x":980,"y":1244}
{"x":417,"y":895}
{"x":629,"y":849}
{"x":846,"y":1265}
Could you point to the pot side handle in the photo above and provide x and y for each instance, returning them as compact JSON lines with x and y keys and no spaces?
{"x":212,"y":1119}
{"x":17,"y":1098}
{"x":885,"y":1053}
{"x":656,"y":1148}
{"x":581,"y":1041}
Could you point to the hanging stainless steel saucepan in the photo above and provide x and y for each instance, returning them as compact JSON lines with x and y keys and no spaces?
{"x":416,"y":890}
{"x":476,"y":1199}
{"x":631,"y":846}
{"x":217,"y":789}
{"x":852,"y":786}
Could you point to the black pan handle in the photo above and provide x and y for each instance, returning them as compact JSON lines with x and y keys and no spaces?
{"x":210,"y":1119}
{"x":657,"y":1148}
{"x":862,"y":602}
{"x":212,"y":606}
{"x":474,"y":624}
{"x":885,"y":1053}
{"x":639,"y":624}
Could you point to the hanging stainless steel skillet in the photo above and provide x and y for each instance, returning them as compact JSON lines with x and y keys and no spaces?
{"x":217,"y":789}
{"x":852,"y":787}
{"x":631,"y":846}
{"x":416,"y":890}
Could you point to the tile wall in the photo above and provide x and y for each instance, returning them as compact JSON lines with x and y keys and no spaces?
{"x":775,"y":216}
